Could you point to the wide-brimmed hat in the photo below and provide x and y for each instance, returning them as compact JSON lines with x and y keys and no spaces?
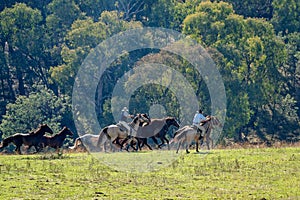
{"x":125,"y":109}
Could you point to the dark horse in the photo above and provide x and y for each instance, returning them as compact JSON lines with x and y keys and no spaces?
{"x":170,"y":121}
{"x":57,"y":140}
{"x":29,"y":139}
{"x":157,"y":128}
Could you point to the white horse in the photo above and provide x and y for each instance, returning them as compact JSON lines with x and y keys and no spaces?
{"x":88,"y":142}
{"x":188,"y":134}
{"x":113,"y":132}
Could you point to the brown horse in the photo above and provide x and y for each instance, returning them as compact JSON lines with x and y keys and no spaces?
{"x":157,"y":128}
{"x":188,"y":134}
{"x":57,"y":140}
{"x":114,"y":132}
{"x":29,"y":139}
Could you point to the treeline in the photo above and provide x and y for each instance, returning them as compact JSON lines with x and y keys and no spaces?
{"x":255,"y":45}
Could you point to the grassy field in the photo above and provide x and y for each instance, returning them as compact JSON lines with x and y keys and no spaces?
{"x":263,"y":173}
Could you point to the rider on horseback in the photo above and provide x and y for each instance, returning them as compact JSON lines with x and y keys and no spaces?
{"x":123,"y":123}
{"x":199,"y":120}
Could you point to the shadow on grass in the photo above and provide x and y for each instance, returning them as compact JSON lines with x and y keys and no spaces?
{"x":203,"y":152}
{"x":46,"y":157}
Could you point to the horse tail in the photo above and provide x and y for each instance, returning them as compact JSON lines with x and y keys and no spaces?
{"x":103,"y":134}
{"x":179,"y":131}
{"x":179,"y":136}
{"x":174,"y":139}
{"x":6,"y":142}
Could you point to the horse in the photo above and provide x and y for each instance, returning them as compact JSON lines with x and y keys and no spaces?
{"x":188,"y":134}
{"x":29,"y":139}
{"x":84,"y":141}
{"x":57,"y":140}
{"x":113,"y":132}
{"x":157,"y":128}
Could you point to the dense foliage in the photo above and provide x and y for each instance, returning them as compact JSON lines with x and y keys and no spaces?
{"x":255,"y":44}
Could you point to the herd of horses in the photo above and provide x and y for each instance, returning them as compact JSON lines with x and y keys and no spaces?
{"x":37,"y":139}
{"x":133,"y":135}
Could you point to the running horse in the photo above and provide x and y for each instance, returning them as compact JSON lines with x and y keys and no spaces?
{"x":157,"y":128}
{"x":187,"y":134}
{"x":114,"y":132}
{"x":28,"y":139}
{"x":57,"y":140}
{"x":87,"y":142}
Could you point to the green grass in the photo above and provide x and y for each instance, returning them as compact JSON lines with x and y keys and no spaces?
{"x":271,"y":173}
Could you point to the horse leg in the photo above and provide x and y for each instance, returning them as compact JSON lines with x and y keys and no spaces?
{"x":138,"y":145}
{"x":187,"y":148}
{"x":104,"y":146}
{"x":162,"y":142}
{"x":178,"y":147}
{"x":142,"y":143}
{"x":18,"y":149}
{"x":136,"y":148}
{"x":207,"y":142}
{"x":149,"y":147}
{"x":37,"y":148}
{"x":116,"y":142}
{"x":212,"y":142}
{"x":155,"y":141}
{"x":139,"y":141}
{"x":168,"y":143}
{"x":123,"y":142}
{"x":135,"y":141}
{"x":197,"y":146}
{"x":146,"y":143}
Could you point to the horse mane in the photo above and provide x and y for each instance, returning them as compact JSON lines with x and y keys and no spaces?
{"x":63,"y":130}
{"x":135,"y":119}
{"x":38,"y":129}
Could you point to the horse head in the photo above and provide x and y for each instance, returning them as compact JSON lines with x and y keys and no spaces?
{"x":143,"y":118}
{"x":46,"y":128}
{"x":171,"y":121}
{"x":67,"y":131}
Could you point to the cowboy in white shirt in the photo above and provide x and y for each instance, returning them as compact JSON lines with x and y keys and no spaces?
{"x":124,"y":118}
{"x":125,"y":115}
{"x":198,"y":118}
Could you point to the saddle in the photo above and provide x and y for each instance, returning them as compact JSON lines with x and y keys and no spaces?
{"x":122,"y":127}
{"x":196,"y":128}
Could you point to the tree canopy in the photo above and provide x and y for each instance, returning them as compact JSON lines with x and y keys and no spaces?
{"x":255,"y":45}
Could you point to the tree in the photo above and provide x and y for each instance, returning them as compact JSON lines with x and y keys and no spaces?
{"x":42,"y":106}
{"x":253,"y":8}
{"x":20,"y":34}
{"x":80,"y":40}
{"x":94,"y":8}
{"x":286,"y":17}
{"x":253,"y":59}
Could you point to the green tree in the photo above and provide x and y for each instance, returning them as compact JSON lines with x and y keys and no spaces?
{"x":252,"y":63}
{"x":21,"y":47}
{"x":84,"y":35}
{"x":286,"y":16}
{"x":253,"y":8}
{"x":39,"y":107}
{"x":60,"y":16}
{"x":94,"y":8}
